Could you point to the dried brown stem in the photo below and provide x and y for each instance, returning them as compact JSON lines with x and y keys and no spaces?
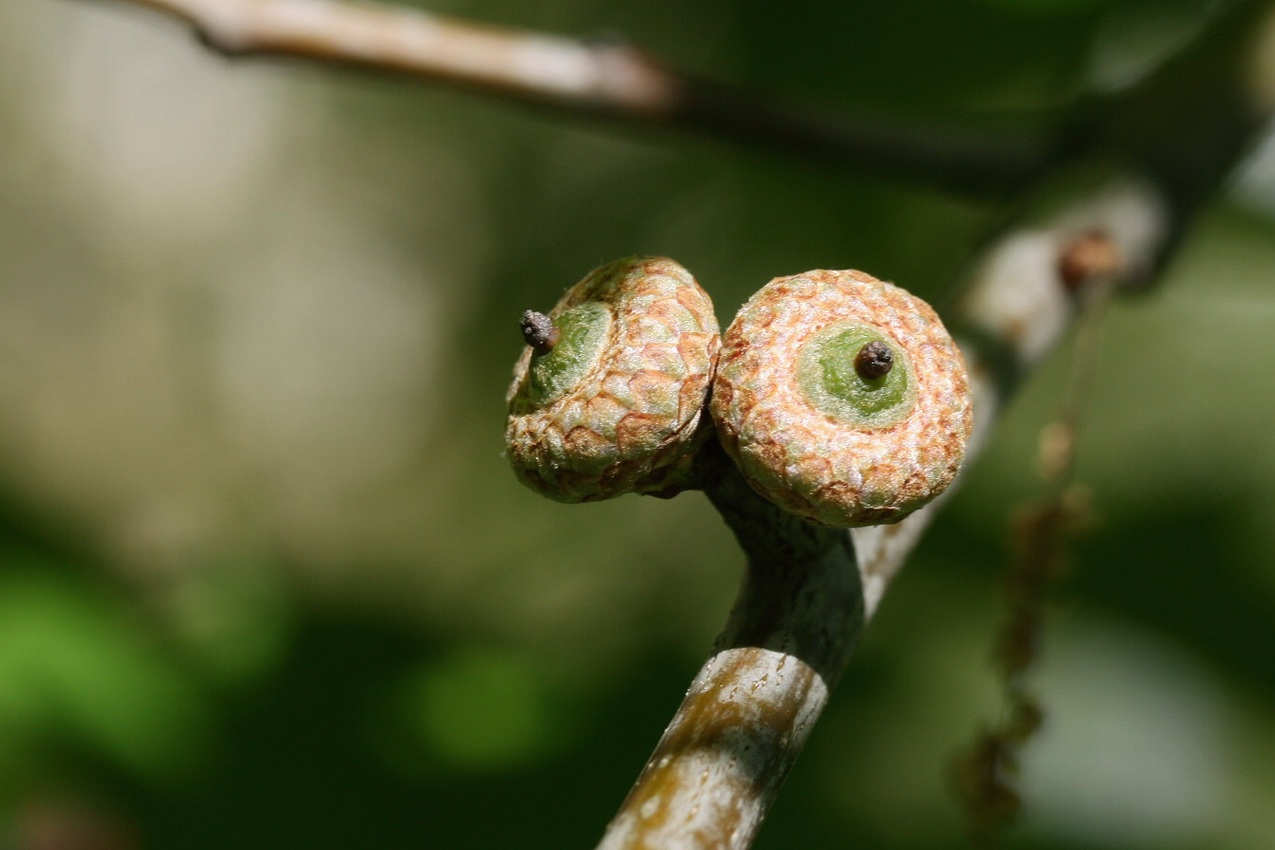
{"x":606,"y":79}
{"x":525,"y":65}
{"x":986,"y":776}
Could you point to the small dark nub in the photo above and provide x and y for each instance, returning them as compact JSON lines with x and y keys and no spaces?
{"x":874,"y":360}
{"x":539,"y":332}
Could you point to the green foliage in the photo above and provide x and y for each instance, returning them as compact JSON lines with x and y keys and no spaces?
{"x":76,"y":667}
{"x":481,"y":710}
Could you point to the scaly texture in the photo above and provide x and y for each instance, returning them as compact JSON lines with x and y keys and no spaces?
{"x":840,"y":446}
{"x":616,"y":406}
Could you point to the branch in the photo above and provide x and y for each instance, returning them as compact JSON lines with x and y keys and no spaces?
{"x":808,"y":593}
{"x":744,"y":720}
{"x":611,"y":80}
{"x":805,"y":598}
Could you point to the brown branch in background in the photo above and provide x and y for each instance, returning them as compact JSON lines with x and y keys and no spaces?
{"x":523,"y":65}
{"x":609,"y":80}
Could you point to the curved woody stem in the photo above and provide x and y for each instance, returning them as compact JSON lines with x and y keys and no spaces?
{"x":744,"y":720}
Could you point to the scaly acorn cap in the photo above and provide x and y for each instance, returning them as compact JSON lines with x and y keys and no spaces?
{"x":842,"y":398}
{"x":607,"y":398}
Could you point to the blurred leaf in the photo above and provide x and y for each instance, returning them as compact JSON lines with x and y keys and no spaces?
{"x":72,"y":662}
{"x":482,"y":708}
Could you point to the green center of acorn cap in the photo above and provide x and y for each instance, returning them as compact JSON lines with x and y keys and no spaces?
{"x":831,"y":374}
{"x":583,"y":332}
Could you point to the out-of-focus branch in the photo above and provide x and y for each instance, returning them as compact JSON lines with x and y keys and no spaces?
{"x":524,"y":65}
{"x":610,"y":80}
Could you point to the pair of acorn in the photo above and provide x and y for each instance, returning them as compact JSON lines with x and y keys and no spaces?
{"x":840,"y":397}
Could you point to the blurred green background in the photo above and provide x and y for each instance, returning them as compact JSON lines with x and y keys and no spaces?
{"x":266,"y":582}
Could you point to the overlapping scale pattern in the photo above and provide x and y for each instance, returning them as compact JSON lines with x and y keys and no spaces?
{"x":784,"y":414}
{"x":616,"y":406}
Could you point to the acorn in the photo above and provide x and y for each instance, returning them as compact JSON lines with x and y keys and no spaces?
{"x":608,"y":396}
{"x":841,"y":398}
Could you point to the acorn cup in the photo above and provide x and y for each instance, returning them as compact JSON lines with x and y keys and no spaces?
{"x":842,"y":398}
{"x":608,"y":396}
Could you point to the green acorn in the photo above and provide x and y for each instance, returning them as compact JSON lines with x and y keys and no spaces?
{"x":609,"y":393}
{"x":842,"y":398}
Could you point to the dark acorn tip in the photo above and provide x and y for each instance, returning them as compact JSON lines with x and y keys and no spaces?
{"x":539,"y":332}
{"x":874,"y":360}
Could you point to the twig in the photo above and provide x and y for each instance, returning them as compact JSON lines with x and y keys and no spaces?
{"x":742,"y":724}
{"x":1018,"y":303}
{"x":1021,"y":299}
{"x":744,"y":720}
{"x":524,"y":65}
{"x":806,"y":596}
{"x":613,"y":80}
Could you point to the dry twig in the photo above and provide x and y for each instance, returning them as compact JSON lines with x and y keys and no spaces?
{"x":606,"y":79}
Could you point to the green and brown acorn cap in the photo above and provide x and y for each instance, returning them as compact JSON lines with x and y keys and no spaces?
{"x":842,"y":398}
{"x":611,"y":398}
